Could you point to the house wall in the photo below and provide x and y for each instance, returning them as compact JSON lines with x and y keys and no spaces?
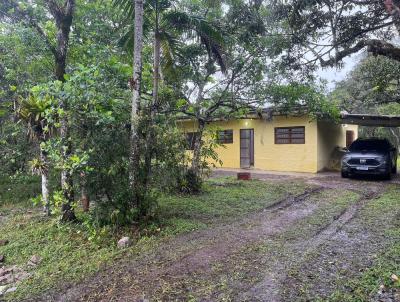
{"x":267,"y":154}
{"x":331,"y":139}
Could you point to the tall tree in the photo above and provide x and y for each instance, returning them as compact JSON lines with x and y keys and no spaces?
{"x":136,"y":93}
{"x":154,"y":100}
{"x":62,"y":15}
{"x":169,"y":26}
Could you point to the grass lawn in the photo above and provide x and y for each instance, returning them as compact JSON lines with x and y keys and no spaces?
{"x":375,"y":215}
{"x":68,"y":253}
{"x":18,"y":190}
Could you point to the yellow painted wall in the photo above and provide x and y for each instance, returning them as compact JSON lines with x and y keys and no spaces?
{"x":267,"y":154}
{"x":331,"y":137}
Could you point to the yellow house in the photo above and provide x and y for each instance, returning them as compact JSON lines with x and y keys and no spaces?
{"x":279,"y":143}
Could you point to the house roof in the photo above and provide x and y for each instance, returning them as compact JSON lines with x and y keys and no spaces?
{"x":260,"y":113}
{"x":372,"y":120}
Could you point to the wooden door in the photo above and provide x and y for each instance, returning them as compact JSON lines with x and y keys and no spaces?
{"x":349,"y":137}
{"x":246,"y":148}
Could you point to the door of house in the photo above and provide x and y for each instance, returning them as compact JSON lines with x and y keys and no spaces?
{"x":349,"y":137}
{"x":246,"y":148}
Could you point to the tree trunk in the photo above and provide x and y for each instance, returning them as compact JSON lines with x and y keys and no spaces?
{"x":63,"y":18}
{"x":198,"y":144}
{"x":154,"y":103}
{"x":67,"y":182}
{"x":134,"y":157}
{"x":85,"y":201}
{"x":45,"y":182}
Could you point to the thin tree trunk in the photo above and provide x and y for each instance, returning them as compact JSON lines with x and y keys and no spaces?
{"x":67,"y":182}
{"x":85,"y":201}
{"x":198,"y":144}
{"x":153,"y":106}
{"x":45,"y":182}
{"x":134,"y":157}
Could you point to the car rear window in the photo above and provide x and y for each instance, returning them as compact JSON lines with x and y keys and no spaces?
{"x":370,"y":145}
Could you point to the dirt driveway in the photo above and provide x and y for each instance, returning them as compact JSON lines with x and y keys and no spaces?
{"x":300,"y":248}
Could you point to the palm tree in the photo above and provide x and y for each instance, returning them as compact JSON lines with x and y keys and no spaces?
{"x":134,"y":157}
{"x":32,"y":111}
{"x":169,"y":27}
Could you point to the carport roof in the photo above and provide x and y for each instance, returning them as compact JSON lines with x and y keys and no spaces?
{"x":371,"y":120}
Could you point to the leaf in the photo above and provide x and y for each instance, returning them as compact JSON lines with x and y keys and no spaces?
{"x":181,"y":103}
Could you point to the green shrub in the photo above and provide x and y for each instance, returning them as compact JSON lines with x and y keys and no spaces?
{"x":192,"y":182}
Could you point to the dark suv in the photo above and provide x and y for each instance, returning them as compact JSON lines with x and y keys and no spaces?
{"x":370,"y":156}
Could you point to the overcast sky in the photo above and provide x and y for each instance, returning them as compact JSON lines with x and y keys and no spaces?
{"x":333,"y":75}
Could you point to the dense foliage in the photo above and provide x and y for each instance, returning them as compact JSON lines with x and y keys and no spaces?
{"x":92,"y":94}
{"x":103,"y":131}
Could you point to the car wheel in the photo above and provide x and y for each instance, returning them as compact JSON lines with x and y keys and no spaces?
{"x":388,"y":176}
{"x":394,"y":169}
{"x":345,"y":174}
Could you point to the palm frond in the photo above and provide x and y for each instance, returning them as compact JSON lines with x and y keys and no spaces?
{"x":210,"y":35}
{"x":160,"y":5}
{"x":170,"y":50}
{"x":127,"y":41}
{"x":126,"y":6}
{"x":175,"y":23}
{"x":127,"y":10}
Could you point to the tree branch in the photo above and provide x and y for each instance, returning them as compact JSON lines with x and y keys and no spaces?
{"x":374,"y":46}
{"x":29,"y":20}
